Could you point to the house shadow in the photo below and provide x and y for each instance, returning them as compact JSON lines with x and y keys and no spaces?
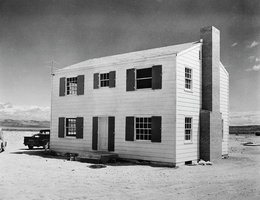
{"x":114,"y":162}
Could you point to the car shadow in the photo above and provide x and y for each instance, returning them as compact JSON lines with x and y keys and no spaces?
{"x":39,"y":152}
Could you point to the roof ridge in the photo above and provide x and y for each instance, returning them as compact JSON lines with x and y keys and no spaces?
{"x":158,"y":51}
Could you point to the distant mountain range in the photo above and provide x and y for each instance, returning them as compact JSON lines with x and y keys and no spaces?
{"x":24,"y":123}
{"x":249,"y":129}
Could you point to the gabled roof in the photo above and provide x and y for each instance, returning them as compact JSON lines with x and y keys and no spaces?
{"x":138,"y":55}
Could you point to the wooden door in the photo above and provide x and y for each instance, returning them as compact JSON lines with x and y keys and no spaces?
{"x":103,"y":134}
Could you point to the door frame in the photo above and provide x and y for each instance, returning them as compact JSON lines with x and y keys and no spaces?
{"x":110,"y":132}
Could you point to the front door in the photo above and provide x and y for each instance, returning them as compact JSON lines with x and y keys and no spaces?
{"x":102,"y":133}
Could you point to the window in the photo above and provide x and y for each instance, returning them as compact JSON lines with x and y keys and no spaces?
{"x":143,"y":128}
{"x":188,"y":78}
{"x":222,"y":128}
{"x":71,"y":127}
{"x":144,"y":78}
{"x":104,"y":80}
{"x":72,"y":86}
{"x":188,"y":128}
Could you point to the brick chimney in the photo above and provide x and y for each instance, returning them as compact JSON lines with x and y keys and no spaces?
{"x":210,"y":116}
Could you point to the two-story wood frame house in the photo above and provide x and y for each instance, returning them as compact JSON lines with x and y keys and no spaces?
{"x":166,"y":104}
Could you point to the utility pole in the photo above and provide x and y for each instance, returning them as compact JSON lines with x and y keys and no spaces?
{"x":51,"y":64}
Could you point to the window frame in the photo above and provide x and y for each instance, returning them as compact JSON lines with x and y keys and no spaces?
{"x":149,"y":129}
{"x":136,"y":79}
{"x":190,"y":129}
{"x":71,"y":90}
{"x":104,"y":80}
{"x":189,"y":79}
{"x":67,"y":127}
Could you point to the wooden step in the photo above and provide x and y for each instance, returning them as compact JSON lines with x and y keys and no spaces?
{"x":98,"y":157}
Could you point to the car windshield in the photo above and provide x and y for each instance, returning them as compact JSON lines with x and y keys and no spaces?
{"x":37,"y":135}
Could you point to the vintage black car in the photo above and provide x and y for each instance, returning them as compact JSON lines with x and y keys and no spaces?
{"x":3,"y":143}
{"x":37,"y":140}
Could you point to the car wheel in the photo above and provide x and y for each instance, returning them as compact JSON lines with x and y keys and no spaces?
{"x":1,"y":147}
{"x":30,"y":146}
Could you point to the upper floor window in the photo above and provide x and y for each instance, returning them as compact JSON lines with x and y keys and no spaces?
{"x":188,"y":128}
{"x":104,"y":80}
{"x":188,"y":78}
{"x":144,"y":78}
{"x":71,"y":86}
{"x":71,"y":127}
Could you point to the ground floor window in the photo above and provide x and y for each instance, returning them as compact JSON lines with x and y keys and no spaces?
{"x":143,"y":128}
{"x":71,"y":127}
{"x":188,"y":128}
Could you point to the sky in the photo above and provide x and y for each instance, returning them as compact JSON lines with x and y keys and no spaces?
{"x":34,"y":33}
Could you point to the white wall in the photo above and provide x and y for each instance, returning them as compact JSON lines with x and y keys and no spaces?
{"x":188,"y":104}
{"x":119,"y":103}
{"x":224,"y":106}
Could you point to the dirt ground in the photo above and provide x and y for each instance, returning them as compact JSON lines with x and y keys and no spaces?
{"x":28,"y":174}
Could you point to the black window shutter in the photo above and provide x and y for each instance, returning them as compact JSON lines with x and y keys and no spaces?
{"x":96,"y":81}
{"x":79,"y":127}
{"x":111,"y":133}
{"x":80,"y":85}
{"x":129,"y":128}
{"x":62,"y":86}
{"x":112,"y":79}
{"x":130,"y":79}
{"x":61,"y":127}
{"x":157,"y":77}
{"x":95,"y":133}
{"x":156,"y":128}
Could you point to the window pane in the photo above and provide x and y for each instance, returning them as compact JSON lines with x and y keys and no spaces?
{"x":144,"y":83}
{"x":71,"y":127}
{"x":143,"y":131}
{"x":104,"y":80}
{"x":144,"y":73}
{"x":188,"y":128}
{"x":71,"y":85}
{"x":188,"y":78}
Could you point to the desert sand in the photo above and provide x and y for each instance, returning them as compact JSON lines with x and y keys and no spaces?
{"x":28,"y":174}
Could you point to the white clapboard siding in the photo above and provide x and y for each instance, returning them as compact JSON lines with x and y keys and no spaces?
{"x":224,"y":106}
{"x":119,"y":103}
{"x":188,"y":104}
